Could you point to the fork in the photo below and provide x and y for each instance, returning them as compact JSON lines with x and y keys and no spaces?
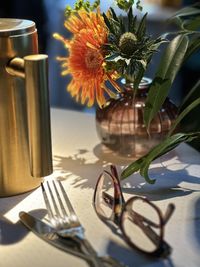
{"x":67,"y":225}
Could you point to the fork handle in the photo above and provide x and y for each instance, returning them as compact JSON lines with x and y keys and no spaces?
{"x":88,"y":249}
{"x":95,"y":260}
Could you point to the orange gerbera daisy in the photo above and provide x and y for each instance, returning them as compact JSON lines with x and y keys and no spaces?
{"x":85,"y":62}
{"x":86,"y":20}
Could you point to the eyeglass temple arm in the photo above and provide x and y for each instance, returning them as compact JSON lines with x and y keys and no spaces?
{"x":170,"y":209}
{"x":109,"y":200}
{"x":166,"y":217}
{"x":168,"y":213}
{"x":149,"y":232}
{"x":139,"y":220}
{"x":163,"y":247}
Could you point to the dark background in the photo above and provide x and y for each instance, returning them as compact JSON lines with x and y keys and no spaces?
{"x":49,"y":18}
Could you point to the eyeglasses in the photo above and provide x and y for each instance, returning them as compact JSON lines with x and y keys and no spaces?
{"x":140,"y":221}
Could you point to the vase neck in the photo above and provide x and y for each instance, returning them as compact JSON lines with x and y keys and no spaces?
{"x":142,"y":88}
{"x":138,"y":92}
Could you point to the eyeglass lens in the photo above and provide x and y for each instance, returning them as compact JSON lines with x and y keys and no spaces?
{"x":104,"y":196}
{"x":141,"y":225}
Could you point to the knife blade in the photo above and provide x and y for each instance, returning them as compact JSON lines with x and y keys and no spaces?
{"x":69,"y":245}
{"x":48,"y":234}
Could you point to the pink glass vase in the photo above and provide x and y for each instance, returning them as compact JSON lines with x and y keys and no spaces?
{"x":120,"y":124}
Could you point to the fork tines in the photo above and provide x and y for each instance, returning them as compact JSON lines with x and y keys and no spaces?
{"x":58,"y":205}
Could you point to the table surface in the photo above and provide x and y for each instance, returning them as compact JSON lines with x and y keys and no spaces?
{"x":78,"y":160}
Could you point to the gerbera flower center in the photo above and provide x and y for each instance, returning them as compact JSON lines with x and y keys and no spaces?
{"x":93,"y":59}
{"x":127,"y":43}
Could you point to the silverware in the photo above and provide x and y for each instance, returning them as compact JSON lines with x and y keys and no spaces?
{"x":48,"y":234}
{"x":66,"y":223}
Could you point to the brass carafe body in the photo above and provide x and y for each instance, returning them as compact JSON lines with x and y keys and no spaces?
{"x":25,"y":136}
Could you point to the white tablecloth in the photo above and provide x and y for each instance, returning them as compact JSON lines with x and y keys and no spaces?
{"x":79,"y":159}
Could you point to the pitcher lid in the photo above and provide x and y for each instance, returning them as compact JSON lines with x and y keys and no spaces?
{"x":12,"y":27}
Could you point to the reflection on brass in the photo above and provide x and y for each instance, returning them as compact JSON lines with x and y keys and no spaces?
{"x":16,"y":67}
{"x":25,"y":137}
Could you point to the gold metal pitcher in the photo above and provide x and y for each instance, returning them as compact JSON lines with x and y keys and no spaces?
{"x":25,"y":136}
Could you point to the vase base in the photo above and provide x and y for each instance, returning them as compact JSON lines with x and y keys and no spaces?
{"x":106,"y":154}
{"x":131,"y":146}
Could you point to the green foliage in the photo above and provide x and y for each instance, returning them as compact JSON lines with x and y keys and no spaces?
{"x":193,"y":46}
{"x":180,"y":48}
{"x":142,"y":164}
{"x":182,"y":115}
{"x":127,"y":4}
{"x":178,"y":51}
{"x":81,"y":4}
{"x":188,"y":18}
{"x":166,"y":73}
{"x":192,"y":92}
{"x":129,"y":51}
{"x":130,"y":65}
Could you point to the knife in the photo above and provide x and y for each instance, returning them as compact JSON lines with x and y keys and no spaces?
{"x":48,"y":234}
{"x":69,"y":245}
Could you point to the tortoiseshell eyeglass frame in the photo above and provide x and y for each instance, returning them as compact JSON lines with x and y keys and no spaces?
{"x":120,"y":207}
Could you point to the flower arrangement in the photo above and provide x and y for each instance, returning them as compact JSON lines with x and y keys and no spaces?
{"x":106,"y":47}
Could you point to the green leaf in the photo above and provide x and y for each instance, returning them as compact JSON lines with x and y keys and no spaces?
{"x":191,"y":24}
{"x":114,"y":14}
{"x":127,"y":4}
{"x":193,"y":105}
{"x":115,"y":25}
{"x":195,"y":88}
{"x":143,"y":63}
{"x":142,"y":27}
{"x":79,"y":4}
{"x":194,"y":46}
{"x":143,"y":163}
{"x":188,"y":18}
{"x":187,"y":11}
{"x":108,"y":24}
{"x":122,"y":26}
{"x":124,"y":4}
{"x":178,"y":21}
{"x":130,"y":19}
{"x":113,"y":57}
{"x":133,"y":26}
{"x":138,"y":5}
{"x":169,"y":66}
{"x":139,"y":75}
